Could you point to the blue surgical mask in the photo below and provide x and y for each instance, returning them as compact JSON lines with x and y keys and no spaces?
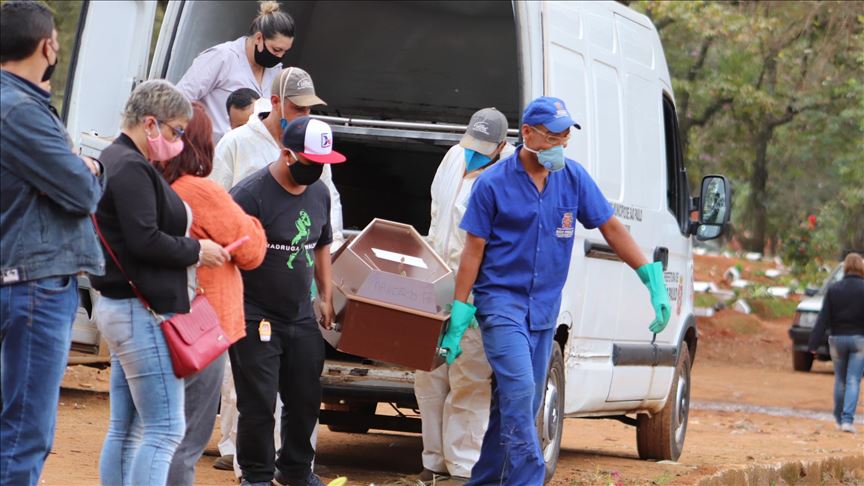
{"x":552,"y":159}
{"x":475,"y":160}
{"x":283,"y":123}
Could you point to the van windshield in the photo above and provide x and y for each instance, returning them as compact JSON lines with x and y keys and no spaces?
{"x":428,"y":61}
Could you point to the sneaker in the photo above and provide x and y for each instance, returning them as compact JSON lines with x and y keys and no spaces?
{"x":243,"y":482}
{"x":848,"y":428}
{"x":311,"y":480}
{"x":224,"y":463}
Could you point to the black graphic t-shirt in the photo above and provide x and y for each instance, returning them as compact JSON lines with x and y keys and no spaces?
{"x":280,"y":289}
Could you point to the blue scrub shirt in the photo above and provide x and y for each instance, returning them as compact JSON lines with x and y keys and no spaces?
{"x":529,"y":237}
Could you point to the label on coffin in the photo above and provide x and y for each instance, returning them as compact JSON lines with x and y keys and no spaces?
{"x":398,"y":290}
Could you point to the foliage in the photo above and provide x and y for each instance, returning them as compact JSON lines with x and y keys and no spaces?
{"x":771,"y":94}
{"x":772,"y":307}
{"x":66,"y":16}
{"x":704,"y":300}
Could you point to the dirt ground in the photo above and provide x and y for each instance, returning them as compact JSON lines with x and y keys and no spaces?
{"x":749,"y":412}
{"x":748,"y":409}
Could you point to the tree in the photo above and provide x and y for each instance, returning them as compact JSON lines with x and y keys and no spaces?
{"x":801,"y":49}
{"x":769,"y":93}
{"x":701,"y":32}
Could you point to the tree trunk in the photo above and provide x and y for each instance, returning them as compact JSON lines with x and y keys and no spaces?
{"x":684,"y":135}
{"x":757,"y":203}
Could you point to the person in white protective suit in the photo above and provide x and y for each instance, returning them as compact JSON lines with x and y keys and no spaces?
{"x":454,"y":399}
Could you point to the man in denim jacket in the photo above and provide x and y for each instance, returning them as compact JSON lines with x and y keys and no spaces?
{"x":46,"y":238}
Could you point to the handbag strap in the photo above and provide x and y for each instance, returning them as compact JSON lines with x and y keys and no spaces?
{"x":120,"y":267}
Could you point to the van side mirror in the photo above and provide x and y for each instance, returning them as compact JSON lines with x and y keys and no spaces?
{"x":714,"y":209}
{"x":811,"y":291}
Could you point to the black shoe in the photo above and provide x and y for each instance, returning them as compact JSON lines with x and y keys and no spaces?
{"x":311,"y":480}
{"x":244,"y":482}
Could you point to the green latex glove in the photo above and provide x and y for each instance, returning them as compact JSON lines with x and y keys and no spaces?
{"x":651,"y":275}
{"x":461,"y":315}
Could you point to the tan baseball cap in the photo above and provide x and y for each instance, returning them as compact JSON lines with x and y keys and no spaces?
{"x":296,"y":85}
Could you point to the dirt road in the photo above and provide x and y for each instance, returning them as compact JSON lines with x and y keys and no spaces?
{"x":749,"y":409}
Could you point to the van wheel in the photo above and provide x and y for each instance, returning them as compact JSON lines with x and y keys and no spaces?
{"x":802,"y":361}
{"x":550,"y":420}
{"x":358,"y":426}
{"x":661,"y":436}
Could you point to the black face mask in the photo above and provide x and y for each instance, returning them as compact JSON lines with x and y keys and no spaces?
{"x":49,"y":71}
{"x":265,"y":57}
{"x":305,"y":175}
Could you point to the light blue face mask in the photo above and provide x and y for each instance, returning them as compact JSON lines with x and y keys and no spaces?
{"x":552,"y":159}
{"x":283,"y":123}
{"x":475,"y":160}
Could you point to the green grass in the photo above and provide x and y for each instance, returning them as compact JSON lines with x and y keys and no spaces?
{"x":664,"y":478}
{"x":705,"y":300}
{"x":772,"y":307}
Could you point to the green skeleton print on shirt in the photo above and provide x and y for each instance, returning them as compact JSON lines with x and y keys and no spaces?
{"x":303,"y":223}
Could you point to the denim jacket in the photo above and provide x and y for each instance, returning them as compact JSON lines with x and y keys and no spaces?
{"x":46,"y":192}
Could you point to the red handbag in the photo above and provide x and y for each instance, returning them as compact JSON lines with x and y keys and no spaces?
{"x":194,"y":339}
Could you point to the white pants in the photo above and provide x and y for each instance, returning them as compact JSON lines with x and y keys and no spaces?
{"x":454,"y":407}
{"x":228,"y":425}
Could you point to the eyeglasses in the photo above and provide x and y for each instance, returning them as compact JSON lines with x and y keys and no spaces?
{"x":178,"y":132}
{"x":552,"y":139}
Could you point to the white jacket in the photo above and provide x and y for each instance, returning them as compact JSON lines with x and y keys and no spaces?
{"x":250,"y":147}
{"x":451,"y":188}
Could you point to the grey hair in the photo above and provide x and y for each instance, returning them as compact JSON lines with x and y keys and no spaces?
{"x":158,"y":98}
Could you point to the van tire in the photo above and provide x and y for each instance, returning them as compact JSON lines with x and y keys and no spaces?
{"x":550,"y":418}
{"x":661,"y":436}
{"x":802,"y":361}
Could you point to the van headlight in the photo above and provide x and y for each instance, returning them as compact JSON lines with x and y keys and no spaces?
{"x":807,"y":319}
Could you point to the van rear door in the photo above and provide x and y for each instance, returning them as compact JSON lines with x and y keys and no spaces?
{"x":111,"y":59}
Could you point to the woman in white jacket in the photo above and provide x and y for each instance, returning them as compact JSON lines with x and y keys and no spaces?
{"x":251,"y":61}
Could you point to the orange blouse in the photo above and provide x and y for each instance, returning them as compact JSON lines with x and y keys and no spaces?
{"x":217,"y":217}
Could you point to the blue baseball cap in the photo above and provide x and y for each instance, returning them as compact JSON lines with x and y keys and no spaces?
{"x":550,"y":112}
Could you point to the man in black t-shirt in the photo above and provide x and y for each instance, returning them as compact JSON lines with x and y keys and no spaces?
{"x":283,"y":350}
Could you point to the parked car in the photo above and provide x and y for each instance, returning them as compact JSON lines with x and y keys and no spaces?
{"x":803,"y":322}
{"x":399,"y":97}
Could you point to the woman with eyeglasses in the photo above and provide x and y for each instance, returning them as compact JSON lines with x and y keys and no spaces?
{"x":145,"y":225}
{"x":215,"y":215}
{"x":251,"y":61}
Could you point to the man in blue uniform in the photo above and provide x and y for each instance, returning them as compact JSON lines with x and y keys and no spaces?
{"x":520,"y":225}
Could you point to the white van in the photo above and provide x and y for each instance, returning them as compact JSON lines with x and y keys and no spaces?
{"x":401,"y":79}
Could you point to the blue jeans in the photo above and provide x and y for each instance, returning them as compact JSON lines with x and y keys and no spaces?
{"x":35,"y":333}
{"x":511,"y":454}
{"x":147,"y":421}
{"x":847,"y":354}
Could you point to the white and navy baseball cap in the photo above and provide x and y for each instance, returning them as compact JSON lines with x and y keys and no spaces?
{"x":313,"y":139}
